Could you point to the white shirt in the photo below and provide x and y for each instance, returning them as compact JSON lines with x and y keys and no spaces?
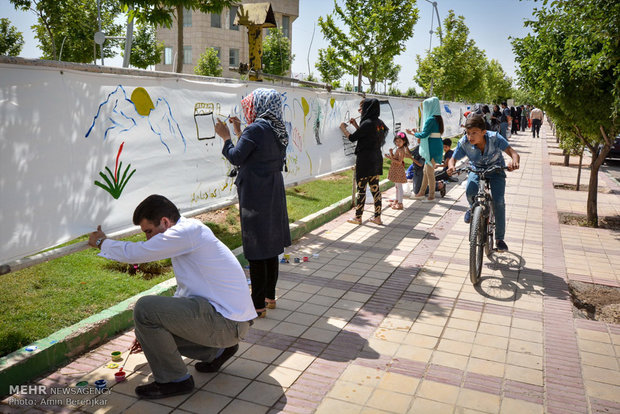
{"x":202,"y":264}
{"x":536,"y":114}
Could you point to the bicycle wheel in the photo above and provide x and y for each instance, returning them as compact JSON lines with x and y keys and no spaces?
{"x":477,"y":240}
{"x":490,"y":224}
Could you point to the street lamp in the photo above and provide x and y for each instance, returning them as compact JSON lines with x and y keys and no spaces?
{"x":436,"y":12}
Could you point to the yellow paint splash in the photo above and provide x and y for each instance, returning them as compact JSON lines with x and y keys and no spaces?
{"x":143,"y":102}
{"x":306,"y":109}
{"x":332,"y":101}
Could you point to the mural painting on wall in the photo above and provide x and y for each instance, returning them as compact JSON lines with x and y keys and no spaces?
{"x":119,"y":115}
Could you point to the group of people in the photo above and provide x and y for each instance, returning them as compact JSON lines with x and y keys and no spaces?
{"x":213,"y":308}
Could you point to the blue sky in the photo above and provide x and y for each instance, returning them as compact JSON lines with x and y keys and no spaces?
{"x":490,"y":22}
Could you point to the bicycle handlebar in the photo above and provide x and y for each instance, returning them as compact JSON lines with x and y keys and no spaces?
{"x":480,"y":171}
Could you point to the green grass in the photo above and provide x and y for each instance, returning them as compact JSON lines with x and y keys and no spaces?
{"x":39,"y":300}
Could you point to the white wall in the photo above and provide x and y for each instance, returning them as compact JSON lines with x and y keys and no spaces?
{"x":60,"y":128}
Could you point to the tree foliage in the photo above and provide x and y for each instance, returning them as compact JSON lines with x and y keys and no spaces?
{"x":145,"y":51}
{"x":376,"y":31}
{"x":569,"y":65}
{"x":277,"y":56}
{"x":70,"y":25}
{"x":497,"y":85}
{"x":456,"y":67}
{"x":164,"y":12}
{"x":11,"y":40}
{"x":326,"y":64}
{"x":209,"y":63}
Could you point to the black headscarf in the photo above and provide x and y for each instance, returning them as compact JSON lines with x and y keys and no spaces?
{"x":371,"y":109}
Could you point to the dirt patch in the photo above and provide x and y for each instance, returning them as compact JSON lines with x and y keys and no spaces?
{"x":598,"y":302}
{"x":215,"y":216}
{"x":569,"y":165}
{"x":335,"y":177}
{"x":582,"y":187}
{"x":144,"y":270}
{"x":606,"y":222}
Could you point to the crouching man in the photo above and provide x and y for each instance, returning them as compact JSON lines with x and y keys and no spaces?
{"x":210,"y":310}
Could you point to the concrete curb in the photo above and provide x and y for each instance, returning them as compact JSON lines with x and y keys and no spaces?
{"x":22,"y":366}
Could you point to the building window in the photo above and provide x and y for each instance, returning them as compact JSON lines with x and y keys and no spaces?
{"x":219,"y":54}
{"x":286,"y":24}
{"x":168,"y":56}
{"x":231,"y":18}
{"x":233,"y":57}
{"x":187,"y":55}
{"x":216,"y":20}
{"x":187,"y":17}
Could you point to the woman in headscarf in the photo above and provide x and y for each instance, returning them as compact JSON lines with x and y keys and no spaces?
{"x":260,"y":156}
{"x":431,"y":146}
{"x":370,"y":136}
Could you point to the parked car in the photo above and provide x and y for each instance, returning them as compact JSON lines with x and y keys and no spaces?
{"x":614,"y":152}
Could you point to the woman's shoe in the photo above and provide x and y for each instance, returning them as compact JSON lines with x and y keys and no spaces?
{"x":417,"y":197}
{"x":355,"y":220}
{"x":270,"y":304}
{"x":397,"y":206}
{"x":377,"y":220}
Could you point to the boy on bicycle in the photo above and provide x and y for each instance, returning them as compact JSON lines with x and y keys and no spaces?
{"x":484,"y":149}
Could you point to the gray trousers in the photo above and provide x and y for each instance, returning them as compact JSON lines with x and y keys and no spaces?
{"x":169,"y":328}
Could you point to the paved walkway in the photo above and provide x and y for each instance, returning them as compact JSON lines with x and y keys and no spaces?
{"x":386,"y":320}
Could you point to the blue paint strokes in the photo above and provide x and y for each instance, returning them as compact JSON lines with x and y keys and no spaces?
{"x":103,"y":104}
{"x":447,"y":109}
{"x":171,"y":127}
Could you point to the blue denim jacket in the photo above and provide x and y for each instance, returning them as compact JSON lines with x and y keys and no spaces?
{"x":493,"y":149}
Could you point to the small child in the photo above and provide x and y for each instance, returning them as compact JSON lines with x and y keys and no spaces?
{"x":397,"y":167}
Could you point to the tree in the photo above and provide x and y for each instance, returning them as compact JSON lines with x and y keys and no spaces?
{"x":393,"y":91}
{"x":376,"y":32}
{"x":11,"y":40}
{"x":209,"y":63}
{"x":163,"y":13}
{"x":277,"y":56}
{"x":70,"y":25}
{"x":411,"y":92}
{"x":145,"y":51}
{"x":497,"y":85}
{"x":570,"y":67}
{"x":456,"y":67}
{"x":327,"y":67}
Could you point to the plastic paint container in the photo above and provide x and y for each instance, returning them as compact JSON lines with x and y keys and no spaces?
{"x":101,"y":384}
{"x":116,"y":355}
{"x":31,"y":348}
{"x":82,"y":384}
{"x":297,"y":260}
{"x":119,"y":376}
{"x":305,"y":258}
{"x":112,"y":365}
{"x":287,"y":257}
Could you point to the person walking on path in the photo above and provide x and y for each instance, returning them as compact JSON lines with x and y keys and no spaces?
{"x":210,"y":311}
{"x":370,"y":137}
{"x":431,"y":146}
{"x":504,"y":119}
{"x":397,"y":167}
{"x":525,"y":116}
{"x":484,"y":149}
{"x":260,"y":154}
{"x":537,"y":118}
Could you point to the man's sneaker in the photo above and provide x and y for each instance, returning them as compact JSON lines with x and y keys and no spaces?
{"x":501,"y":246}
{"x":162,"y":390}
{"x":467,"y":217}
{"x":216,"y":364}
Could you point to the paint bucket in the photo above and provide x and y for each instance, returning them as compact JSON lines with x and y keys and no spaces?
{"x":117,"y":355}
{"x":101,"y":384}
{"x":287,"y":257}
{"x":297,"y":260}
{"x":82,"y":384}
{"x":305,"y":258}
{"x":119,"y":376}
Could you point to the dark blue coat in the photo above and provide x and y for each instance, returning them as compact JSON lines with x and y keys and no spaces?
{"x":260,"y":186}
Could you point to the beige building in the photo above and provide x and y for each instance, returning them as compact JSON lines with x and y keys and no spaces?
{"x":202,"y":30}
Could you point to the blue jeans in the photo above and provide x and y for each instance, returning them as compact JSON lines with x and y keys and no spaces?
{"x":503,"y":127}
{"x":498,"y":187}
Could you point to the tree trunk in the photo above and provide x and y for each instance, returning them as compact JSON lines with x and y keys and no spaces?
{"x":579,"y":170}
{"x":566,"y":158}
{"x":597,"y":161}
{"x":180,"y":52}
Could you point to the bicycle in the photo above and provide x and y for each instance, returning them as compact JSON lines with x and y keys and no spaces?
{"x":482,"y":224}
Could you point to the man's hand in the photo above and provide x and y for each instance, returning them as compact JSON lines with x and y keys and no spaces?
{"x":136,"y":348}
{"x":94,"y":236}
{"x":222,"y":130}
